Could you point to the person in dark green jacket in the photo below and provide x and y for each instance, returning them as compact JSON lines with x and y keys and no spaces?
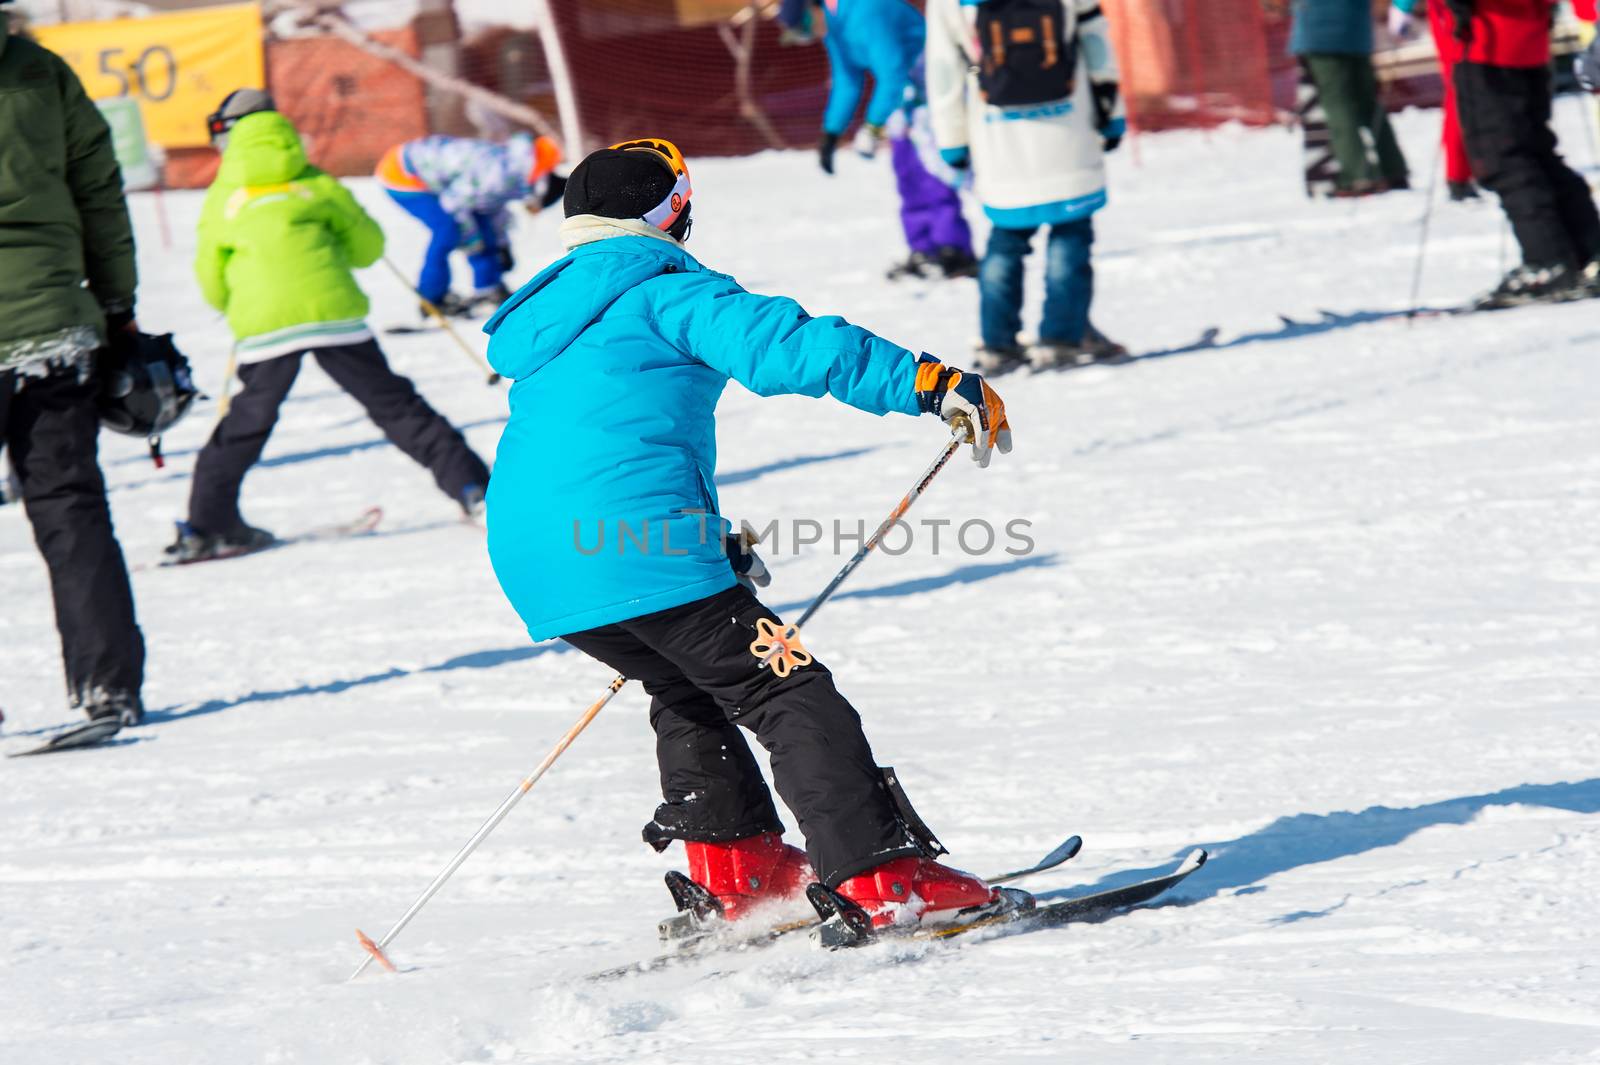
{"x":1333,"y":39}
{"x":278,"y":241}
{"x":66,"y":274}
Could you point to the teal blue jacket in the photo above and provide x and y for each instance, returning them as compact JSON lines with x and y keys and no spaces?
{"x":879,"y":37}
{"x":1331,"y":27}
{"x":602,"y":506}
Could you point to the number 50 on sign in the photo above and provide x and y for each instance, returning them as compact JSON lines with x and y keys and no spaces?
{"x":178,"y":66}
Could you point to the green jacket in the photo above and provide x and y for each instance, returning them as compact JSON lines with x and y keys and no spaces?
{"x":278,"y":238}
{"x":63,"y":219}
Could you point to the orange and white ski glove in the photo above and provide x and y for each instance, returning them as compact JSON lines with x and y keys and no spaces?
{"x":949,"y":393}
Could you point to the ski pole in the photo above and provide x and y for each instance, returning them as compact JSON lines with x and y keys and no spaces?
{"x":1422,"y":236}
{"x":375,"y":951}
{"x":963,"y":435}
{"x":226,"y":399}
{"x":437,"y":315}
{"x":783,"y":650}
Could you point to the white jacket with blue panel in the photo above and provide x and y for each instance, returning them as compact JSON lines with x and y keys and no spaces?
{"x":1036,"y":165}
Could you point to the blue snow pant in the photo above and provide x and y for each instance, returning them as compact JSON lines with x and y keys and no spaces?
{"x":446,"y":237}
{"x":1068,"y":283}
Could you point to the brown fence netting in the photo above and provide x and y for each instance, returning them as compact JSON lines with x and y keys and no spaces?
{"x":710,"y":73}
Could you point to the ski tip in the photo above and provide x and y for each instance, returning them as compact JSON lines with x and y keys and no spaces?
{"x":77,"y":738}
{"x":1195,"y":859}
{"x":1066,"y":852}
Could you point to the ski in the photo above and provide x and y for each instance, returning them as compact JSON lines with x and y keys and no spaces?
{"x":1205,"y":340}
{"x":366,"y":522}
{"x":430,"y":326}
{"x":698,"y":933}
{"x":843,"y":928}
{"x":88,"y":734}
{"x":1083,"y":908}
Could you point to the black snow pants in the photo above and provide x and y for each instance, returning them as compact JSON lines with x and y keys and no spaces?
{"x":696,"y":664}
{"x":51,"y":428}
{"x":1505,"y":122}
{"x":391,"y":401}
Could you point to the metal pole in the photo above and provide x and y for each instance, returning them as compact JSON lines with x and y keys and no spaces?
{"x":964,"y":435}
{"x":225,"y":401}
{"x":444,"y":323}
{"x":375,"y":950}
{"x":1422,"y":236}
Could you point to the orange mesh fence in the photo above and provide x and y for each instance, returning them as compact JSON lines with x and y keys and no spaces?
{"x":348,"y":105}
{"x":1188,"y":63}
{"x":705,"y":72}
{"x":711,"y":73}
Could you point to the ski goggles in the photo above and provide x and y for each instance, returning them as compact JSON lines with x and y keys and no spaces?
{"x":666,"y":213}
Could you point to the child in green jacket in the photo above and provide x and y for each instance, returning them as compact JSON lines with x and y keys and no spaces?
{"x":278,"y":240}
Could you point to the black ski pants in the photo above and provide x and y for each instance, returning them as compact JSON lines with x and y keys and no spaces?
{"x":51,"y":427}
{"x":696,"y":664}
{"x":1505,"y":121}
{"x":391,"y":401}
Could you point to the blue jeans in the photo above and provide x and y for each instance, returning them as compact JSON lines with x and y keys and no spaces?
{"x":1068,"y":282}
{"x":445,"y":237}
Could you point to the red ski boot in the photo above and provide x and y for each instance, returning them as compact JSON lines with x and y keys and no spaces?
{"x":748,"y":873}
{"x":912,"y":890}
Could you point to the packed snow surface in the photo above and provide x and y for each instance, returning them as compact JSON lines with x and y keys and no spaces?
{"x":1324,"y":598}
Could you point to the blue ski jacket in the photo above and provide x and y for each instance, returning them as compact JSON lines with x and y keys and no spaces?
{"x":880,"y":37}
{"x":602,"y":506}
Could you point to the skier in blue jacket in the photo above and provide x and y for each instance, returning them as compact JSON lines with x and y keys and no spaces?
{"x":603,"y":529}
{"x":878,"y":37}
{"x":885,"y":38}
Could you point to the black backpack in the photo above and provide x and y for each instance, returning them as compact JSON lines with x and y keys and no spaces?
{"x":1025,"y":56}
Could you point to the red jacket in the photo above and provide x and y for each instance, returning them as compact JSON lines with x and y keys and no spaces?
{"x":1508,"y":33}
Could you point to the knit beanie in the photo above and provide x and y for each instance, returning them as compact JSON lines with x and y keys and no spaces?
{"x":626,"y":183}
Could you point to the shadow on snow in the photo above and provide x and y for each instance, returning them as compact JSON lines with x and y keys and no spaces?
{"x":756,"y":472}
{"x":980,"y":571}
{"x":1239,"y":865}
{"x":473,"y":660}
{"x":507,"y":656}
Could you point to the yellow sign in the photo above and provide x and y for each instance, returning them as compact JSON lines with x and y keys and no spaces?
{"x":178,"y":66}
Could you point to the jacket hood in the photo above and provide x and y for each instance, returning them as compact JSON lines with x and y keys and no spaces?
{"x":547,"y":314}
{"x":263,"y":149}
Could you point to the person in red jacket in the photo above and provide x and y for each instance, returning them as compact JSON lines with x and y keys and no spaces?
{"x":1442,"y":25}
{"x":1503,"y":91}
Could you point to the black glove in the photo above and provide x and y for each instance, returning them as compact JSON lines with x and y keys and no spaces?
{"x":825,"y":149}
{"x":119,"y":321}
{"x":748,"y":569}
{"x":1111,"y":144}
{"x":1105,"y":103}
{"x":507,"y":263}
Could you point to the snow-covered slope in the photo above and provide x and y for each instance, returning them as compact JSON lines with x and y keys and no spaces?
{"x":1325,"y":599}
